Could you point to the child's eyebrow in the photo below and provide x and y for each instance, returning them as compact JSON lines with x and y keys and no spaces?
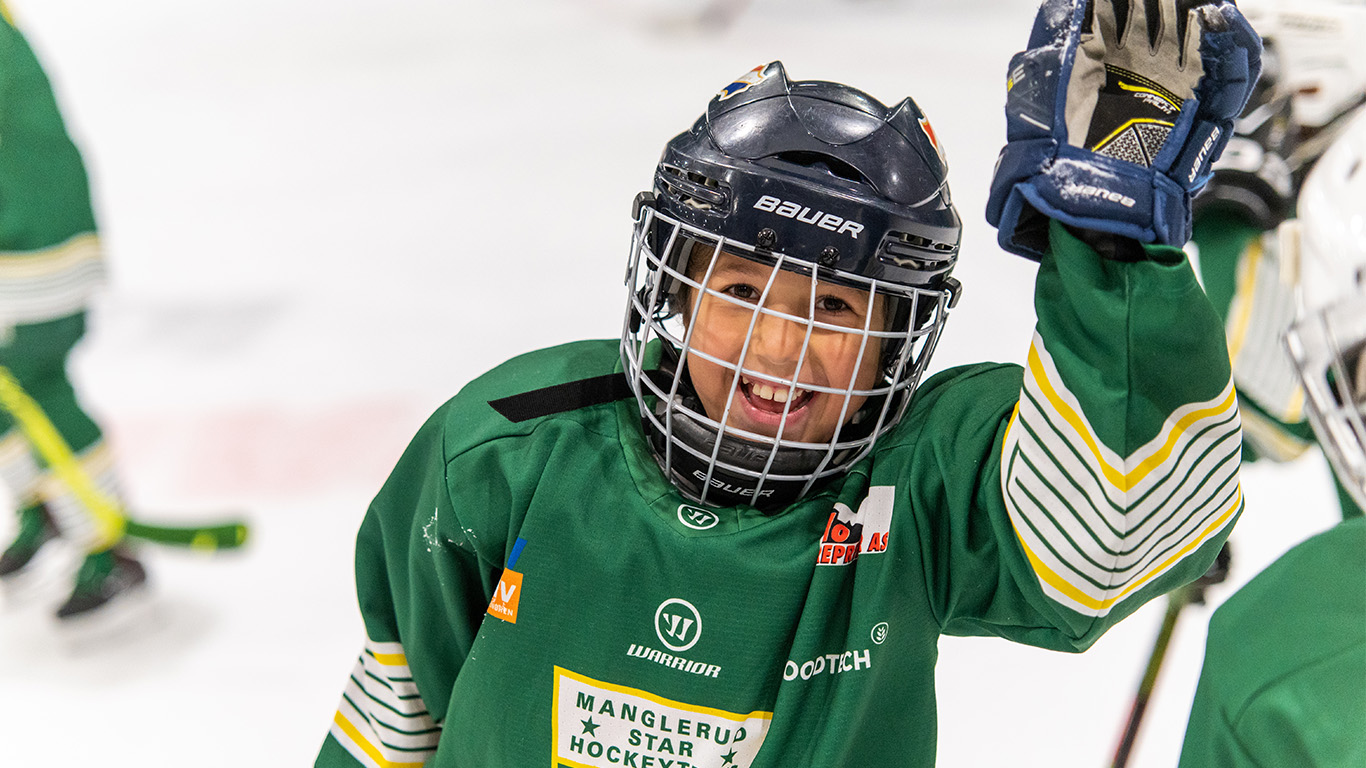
{"x":741,"y":266}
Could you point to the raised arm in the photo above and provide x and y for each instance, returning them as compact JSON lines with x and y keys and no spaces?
{"x":1119,"y":466}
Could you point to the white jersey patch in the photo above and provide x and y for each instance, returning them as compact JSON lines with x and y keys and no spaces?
{"x":600,"y":725}
{"x":849,"y":534}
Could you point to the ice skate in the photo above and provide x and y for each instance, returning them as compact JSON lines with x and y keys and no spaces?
{"x":35,"y":529}
{"x":36,"y":561}
{"x":105,"y":580}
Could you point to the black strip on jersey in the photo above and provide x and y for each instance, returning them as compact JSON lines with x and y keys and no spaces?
{"x":562,"y":398}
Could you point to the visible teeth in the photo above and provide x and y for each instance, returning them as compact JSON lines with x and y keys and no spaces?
{"x":768,"y":392}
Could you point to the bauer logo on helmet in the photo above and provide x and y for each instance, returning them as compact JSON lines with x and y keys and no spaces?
{"x":837,"y":224}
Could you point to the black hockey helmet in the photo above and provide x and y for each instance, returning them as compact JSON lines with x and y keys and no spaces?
{"x":818,"y":171}
{"x":811,"y":177}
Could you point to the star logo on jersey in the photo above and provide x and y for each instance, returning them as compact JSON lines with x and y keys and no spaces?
{"x":590,"y":728}
{"x":507,"y":595}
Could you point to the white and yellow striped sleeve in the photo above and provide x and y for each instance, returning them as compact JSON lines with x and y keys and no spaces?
{"x":45,"y":284}
{"x":1262,"y":308}
{"x":1097,"y":526}
{"x":382,"y":721}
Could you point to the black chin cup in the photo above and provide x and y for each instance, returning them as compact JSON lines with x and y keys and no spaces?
{"x":739,"y":467}
{"x":740,"y":463}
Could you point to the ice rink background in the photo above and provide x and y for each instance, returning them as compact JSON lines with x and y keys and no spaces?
{"x":323,"y":218}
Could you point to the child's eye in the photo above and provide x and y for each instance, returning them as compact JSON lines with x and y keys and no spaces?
{"x":743,"y":292}
{"x":833,"y":305}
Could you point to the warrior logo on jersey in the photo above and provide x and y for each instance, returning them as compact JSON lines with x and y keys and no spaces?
{"x":678,"y":624}
{"x":697,"y":518}
{"x":743,"y":83}
{"x":849,"y":534}
{"x":508,"y":594}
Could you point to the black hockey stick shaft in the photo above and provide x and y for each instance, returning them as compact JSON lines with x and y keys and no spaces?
{"x":1176,"y":600}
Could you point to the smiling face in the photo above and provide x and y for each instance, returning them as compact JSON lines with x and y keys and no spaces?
{"x":772,"y":382}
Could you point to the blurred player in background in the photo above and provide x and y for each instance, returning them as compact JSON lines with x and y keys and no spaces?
{"x":1284,"y":677}
{"x":1314,"y":76}
{"x":50,"y":263}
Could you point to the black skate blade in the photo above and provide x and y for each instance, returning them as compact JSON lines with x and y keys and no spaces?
{"x":122,"y":616}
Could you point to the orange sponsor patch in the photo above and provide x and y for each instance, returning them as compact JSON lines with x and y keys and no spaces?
{"x":506,"y":596}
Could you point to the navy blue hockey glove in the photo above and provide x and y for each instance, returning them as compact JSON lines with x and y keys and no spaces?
{"x":1114,"y":115}
{"x":1253,"y":177}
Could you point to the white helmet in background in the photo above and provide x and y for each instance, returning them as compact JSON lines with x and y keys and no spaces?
{"x":1322,"y":50}
{"x":1327,"y":343}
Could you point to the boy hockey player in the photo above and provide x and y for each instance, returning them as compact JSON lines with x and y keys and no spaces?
{"x":50,"y":262}
{"x":733,"y":537}
{"x":1291,"y":691}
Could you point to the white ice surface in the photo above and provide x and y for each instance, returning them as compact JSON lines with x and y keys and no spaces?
{"x":324,"y":218}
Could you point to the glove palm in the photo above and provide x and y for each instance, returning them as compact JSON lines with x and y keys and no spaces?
{"x":1114,"y":115}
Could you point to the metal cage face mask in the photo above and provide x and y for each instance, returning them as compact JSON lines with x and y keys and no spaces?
{"x":755,"y":432}
{"x":1326,"y":251}
{"x":1329,"y":352}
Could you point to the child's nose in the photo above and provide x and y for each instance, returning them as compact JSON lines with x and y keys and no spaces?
{"x":777,"y":343}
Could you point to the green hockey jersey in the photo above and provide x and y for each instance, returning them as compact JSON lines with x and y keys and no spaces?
{"x":536,"y":593}
{"x":50,"y":258}
{"x":1291,"y":691}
